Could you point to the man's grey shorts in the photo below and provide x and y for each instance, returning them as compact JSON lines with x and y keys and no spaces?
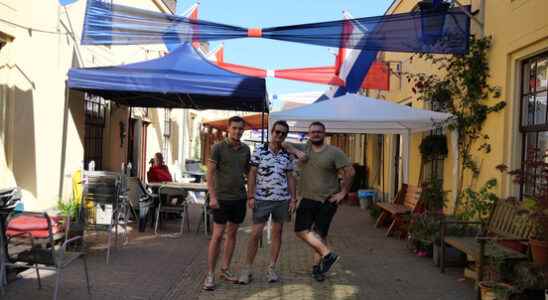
{"x":263,"y":209}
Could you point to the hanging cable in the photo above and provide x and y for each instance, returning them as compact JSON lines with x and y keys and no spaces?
{"x":31,"y":29}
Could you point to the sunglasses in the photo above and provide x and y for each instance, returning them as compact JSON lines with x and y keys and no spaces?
{"x":283,"y":133}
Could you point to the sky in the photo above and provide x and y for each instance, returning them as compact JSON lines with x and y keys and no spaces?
{"x":269,"y":54}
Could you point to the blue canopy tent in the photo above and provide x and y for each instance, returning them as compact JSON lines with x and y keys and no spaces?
{"x":181,"y":79}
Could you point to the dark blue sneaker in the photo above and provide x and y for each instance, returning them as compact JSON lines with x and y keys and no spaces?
{"x":316,"y":274}
{"x":328,"y":261}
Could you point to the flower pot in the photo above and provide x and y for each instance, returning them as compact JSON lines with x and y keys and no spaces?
{"x":539,"y":250}
{"x":487,"y":289}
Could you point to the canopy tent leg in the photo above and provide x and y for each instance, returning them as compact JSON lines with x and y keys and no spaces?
{"x":456,"y":175}
{"x":406,"y":151}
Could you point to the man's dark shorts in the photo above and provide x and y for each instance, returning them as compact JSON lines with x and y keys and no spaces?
{"x":315,"y":215}
{"x":232,"y":211}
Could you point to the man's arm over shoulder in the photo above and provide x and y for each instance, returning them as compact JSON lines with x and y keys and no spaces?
{"x":295,"y":149}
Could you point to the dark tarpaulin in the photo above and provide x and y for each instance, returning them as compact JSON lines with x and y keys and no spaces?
{"x":437,"y":31}
{"x":181,"y":79}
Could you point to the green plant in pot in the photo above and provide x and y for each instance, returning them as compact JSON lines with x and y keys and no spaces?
{"x":539,"y":240}
{"x":534,"y":178}
{"x":423,"y":230}
{"x":68,"y":209}
{"x":434,"y":146}
{"x":492,"y":290}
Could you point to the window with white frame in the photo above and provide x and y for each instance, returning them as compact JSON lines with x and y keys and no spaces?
{"x":534,"y":119}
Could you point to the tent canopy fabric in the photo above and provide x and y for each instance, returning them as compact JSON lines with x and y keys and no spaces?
{"x":353,"y":113}
{"x":181,"y":79}
{"x":252,"y":122}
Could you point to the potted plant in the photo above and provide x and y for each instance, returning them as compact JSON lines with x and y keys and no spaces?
{"x":423,"y":229}
{"x":539,"y":240}
{"x":433,"y":146}
{"x":530,"y":280}
{"x":493,"y":290}
{"x":70,"y":210}
{"x":534,"y":177}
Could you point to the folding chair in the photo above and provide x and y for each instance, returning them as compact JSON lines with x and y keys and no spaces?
{"x":104,"y":202}
{"x":41,"y":236}
{"x":8,"y":201}
{"x":181,"y":208}
{"x":139,"y":196}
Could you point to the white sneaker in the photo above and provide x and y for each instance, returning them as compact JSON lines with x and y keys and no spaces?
{"x":245,"y":276}
{"x":209,"y":282}
{"x":271,"y":275}
{"x":228,"y":276}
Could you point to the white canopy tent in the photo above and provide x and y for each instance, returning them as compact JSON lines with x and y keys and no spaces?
{"x":353,"y":113}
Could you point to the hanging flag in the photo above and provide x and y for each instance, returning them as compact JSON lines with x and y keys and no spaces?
{"x":217,"y":56}
{"x":66,"y":2}
{"x":378,"y":77}
{"x":442,"y":31}
{"x":323,"y":75}
{"x":356,"y":63}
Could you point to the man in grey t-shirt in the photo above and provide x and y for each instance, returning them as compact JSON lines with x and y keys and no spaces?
{"x":226,"y":167}
{"x":321,"y":192}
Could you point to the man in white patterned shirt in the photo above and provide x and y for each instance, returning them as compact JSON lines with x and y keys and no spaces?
{"x":271,"y":192}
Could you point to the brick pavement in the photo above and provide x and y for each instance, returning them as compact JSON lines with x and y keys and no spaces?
{"x":151,"y":267}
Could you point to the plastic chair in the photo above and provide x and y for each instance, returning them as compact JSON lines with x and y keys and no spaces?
{"x":206,"y":214}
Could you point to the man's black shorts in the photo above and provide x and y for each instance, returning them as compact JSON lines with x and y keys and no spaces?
{"x":315,"y":215}
{"x":232,"y":211}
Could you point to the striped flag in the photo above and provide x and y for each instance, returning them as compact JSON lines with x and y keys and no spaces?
{"x":352,"y":64}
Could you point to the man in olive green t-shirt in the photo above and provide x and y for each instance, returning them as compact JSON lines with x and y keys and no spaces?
{"x":321,"y":165}
{"x":226,"y":167}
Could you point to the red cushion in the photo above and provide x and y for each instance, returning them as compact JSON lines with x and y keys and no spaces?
{"x":39,"y":234}
{"x":36,"y":225}
{"x":25,"y":223}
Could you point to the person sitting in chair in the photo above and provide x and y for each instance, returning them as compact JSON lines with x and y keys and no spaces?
{"x":158,"y":171}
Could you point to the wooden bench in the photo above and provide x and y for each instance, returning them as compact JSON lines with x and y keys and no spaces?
{"x":407,"y":201}
{"x":505,"y":224}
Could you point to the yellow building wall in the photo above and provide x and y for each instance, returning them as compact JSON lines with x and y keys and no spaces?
{"x":519,"y":29}
{"x":42,"y":131}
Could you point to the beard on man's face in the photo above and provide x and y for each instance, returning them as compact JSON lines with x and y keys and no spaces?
{"x":317,"y":142}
